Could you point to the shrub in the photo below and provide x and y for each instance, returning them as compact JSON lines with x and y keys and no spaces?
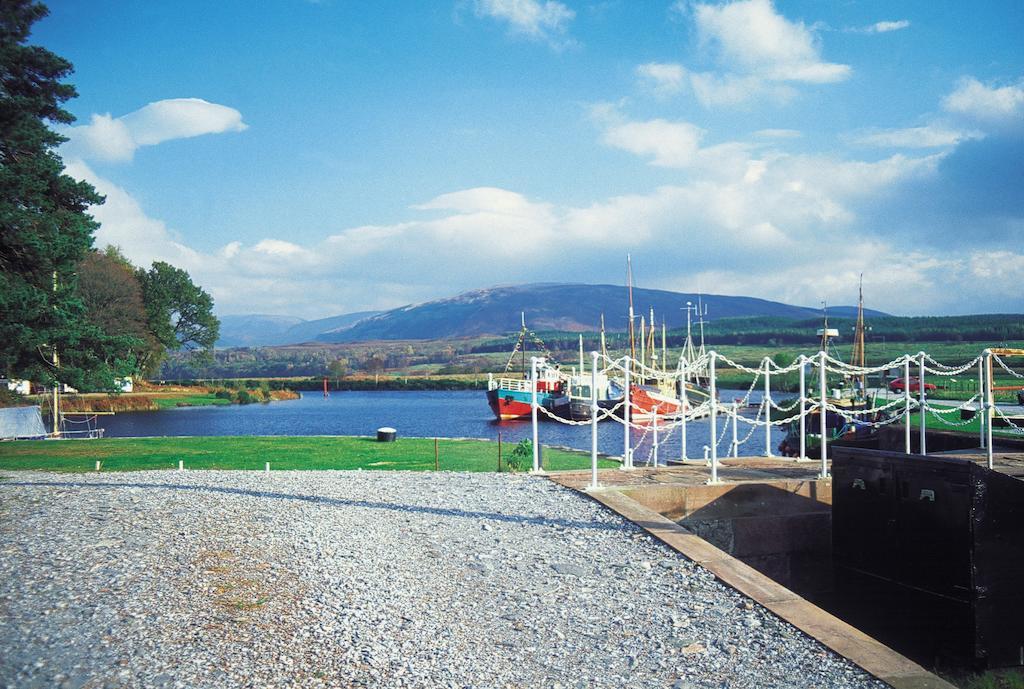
{"x":522,"y":453}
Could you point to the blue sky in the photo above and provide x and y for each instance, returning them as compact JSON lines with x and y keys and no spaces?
{"x":315,"y":158}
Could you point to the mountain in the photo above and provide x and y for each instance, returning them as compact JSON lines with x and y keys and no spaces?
{"x":263,"y":330}
{"x":253,"y":330}
{"x":548,"y":306}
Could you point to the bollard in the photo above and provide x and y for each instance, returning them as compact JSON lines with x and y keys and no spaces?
{"x":266,"y":467}
{"x":181,"y":465}
{"x":499,"y":452}
{"x":437,"y":461}
{"x":98,"y":463}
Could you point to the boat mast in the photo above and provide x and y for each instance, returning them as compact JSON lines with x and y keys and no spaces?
{"x":859,"y":354}
{"x":581,"y":354}
{"x":824,"y":329}
{"x":664,"y":348}
{"x":643,"y":341}
{"x":654,"y":354}
{"x":522,"y":338}
{"x":604,"y":348}
{"x":702,"y":311}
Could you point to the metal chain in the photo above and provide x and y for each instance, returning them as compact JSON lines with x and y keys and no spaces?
{"x":1006,"y":368}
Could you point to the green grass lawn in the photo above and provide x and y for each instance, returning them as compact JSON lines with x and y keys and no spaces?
{"x":292,"y":452}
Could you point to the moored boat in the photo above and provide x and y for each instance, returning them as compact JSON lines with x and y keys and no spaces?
{"x":512,"y":398}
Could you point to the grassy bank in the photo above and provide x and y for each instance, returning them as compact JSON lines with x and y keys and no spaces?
{"x":133,"y":454}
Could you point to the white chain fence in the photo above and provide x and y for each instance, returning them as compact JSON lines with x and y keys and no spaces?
{"x":870,"y":413}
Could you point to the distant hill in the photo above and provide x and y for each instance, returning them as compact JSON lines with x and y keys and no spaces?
{"x":564,"y":307}
{"x":263,"y":330}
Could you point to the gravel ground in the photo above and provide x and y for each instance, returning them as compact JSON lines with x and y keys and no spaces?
{"x":365,"y":579}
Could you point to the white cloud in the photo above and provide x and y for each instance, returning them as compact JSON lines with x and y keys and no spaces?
{"x":886,"y":27}
{"x":743,"y":217}
{"x":664,"y":79}
{"x":544,"y":21}
{"x":109,"y":139}
{"x":988,"y":104}
{"x":669,"y":144}
{"x":778,"y":133}
{"x":752,"y":38}
{"x":713,"y":89}
{"x":927,"y":136}
{"x":760,"y":56}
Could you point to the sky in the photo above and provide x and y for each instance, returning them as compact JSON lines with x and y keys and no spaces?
{"x":317,"y":158}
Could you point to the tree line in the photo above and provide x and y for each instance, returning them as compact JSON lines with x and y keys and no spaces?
{"x":68,"y":313}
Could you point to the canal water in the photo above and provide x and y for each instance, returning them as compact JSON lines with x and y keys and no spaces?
{"x":423,"y":414}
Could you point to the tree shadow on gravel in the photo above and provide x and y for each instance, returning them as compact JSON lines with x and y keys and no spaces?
{"x":343,"y":502}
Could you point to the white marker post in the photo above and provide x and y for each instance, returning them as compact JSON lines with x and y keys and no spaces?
{"x":593,"y":420}
{"x":181,"y":465}
{"x":266,"y":467}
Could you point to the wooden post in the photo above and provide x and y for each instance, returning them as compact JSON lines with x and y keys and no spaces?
{"x":436,"y":461}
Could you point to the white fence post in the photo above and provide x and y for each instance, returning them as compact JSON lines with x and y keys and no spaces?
{"x":714,"y":420}
{"x":767,"y":408}
{"x":627,"y":413}
{"x":906,"y":404}
{"x":593,"y":419}
{"x":981,"y":400}
{"x":922,"y":427}
{"x":735,"y":432}
{"x":824,"y":416}
{"x":684,"y":410}
{"x":803,"y":408}
{"x":990,"y":407}
{"x":533,"y":413}
{"x":654,"y":447}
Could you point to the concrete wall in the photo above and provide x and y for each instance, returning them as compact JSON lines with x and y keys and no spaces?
{"x":783,"y":529}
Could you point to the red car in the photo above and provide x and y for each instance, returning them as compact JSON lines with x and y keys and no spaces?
{"x":896,"y":385}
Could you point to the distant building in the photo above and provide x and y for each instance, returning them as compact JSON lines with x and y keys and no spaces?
{"x":22,"y":387}
{"x":124,"y":384}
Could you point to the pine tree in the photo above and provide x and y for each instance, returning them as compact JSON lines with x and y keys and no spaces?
{"x":45,"y":230}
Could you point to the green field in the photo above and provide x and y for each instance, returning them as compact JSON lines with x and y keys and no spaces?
{"x":135,"y":454}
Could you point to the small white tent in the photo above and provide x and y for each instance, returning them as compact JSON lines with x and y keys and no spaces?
{"x":21,"y":423}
